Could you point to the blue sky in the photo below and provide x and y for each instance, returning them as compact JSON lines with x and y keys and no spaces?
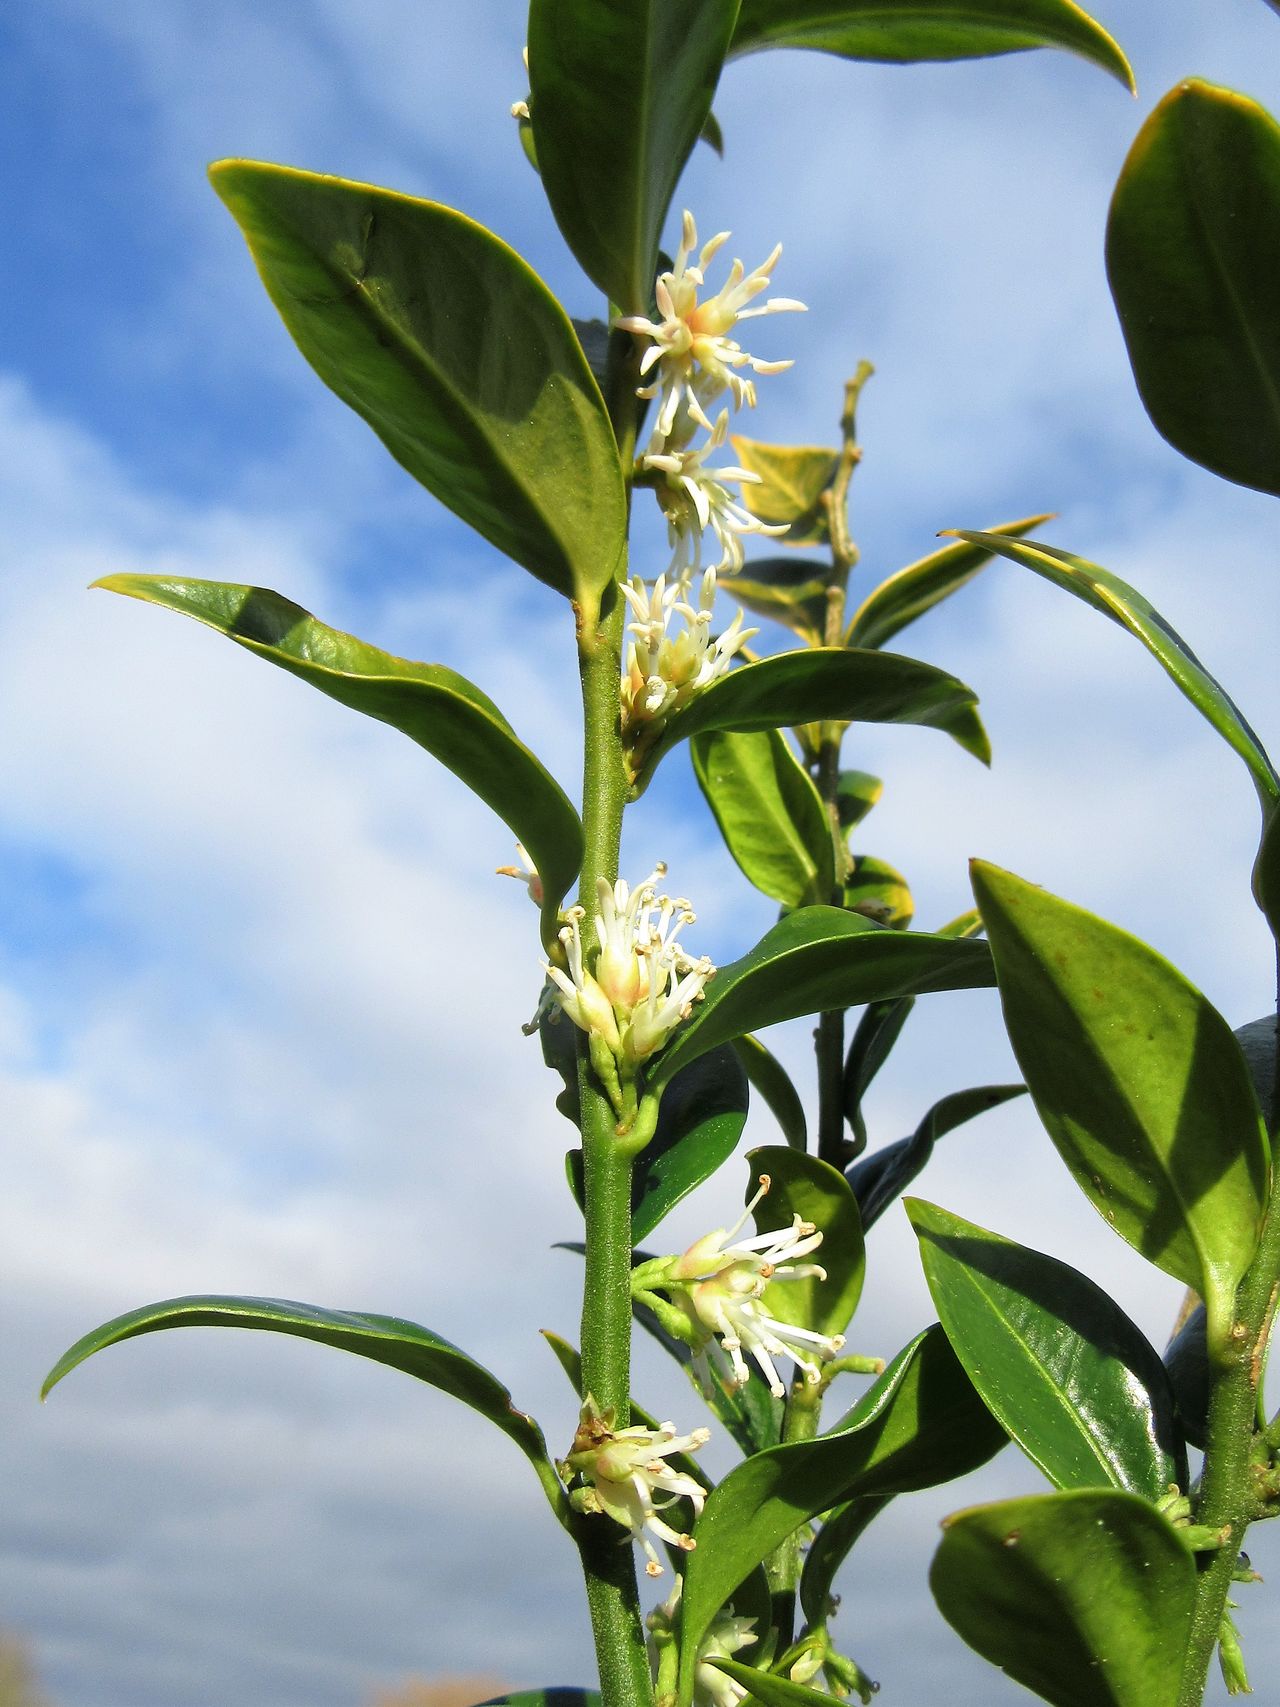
{"x":253,"y":960}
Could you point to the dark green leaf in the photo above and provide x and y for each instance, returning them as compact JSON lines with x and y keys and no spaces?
{"x":1139,"y":1083}
{"x":769,"y":1078}
{"x":621,"y":90}
{"x":831,"y":1546}
{"x":712,"y":135}
{"x":856,"y":793}
{"x":769,"y":812}
{"x":1266,"y":873}
{"x":874,"y":889}
{"x":1061,"y":1366}
{"x":550,"y":1697}
{"x":432,"y":705}
{"x":1125,"y":605}
{"x":831,"y":683}
{"x":919,"y":1425}
{"x":1186,"y":1358}
{"x":789,"y":493}
{"x":384,"y":1339}
{"x":770,"y":1689}
{"x":1193,"y":254}
{"x":905,"y":30}
{"x":802,"y":1185}
{"x":813,"y":960}
{"x":879,"y":1179}
{"x":913,"y":591}
{"x":789,"y":590}
{"x":1257,"y":1042}
{"x":1086,"y":1597}
{"x":455,"y":353}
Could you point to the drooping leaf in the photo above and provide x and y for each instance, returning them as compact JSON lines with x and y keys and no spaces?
{"x":1266,"y":873}
{"x":814,"y":960}
{"x":769,"y":812}
{"x":788,"y":590}
{"x":772,"y":1083}
{"x":901,"y":31}
{"x":621,"y":91}
{"x":856,"y":793}
{"x":383,"y":1339}
{"x":831,"y":683}
{"x":789,"y":492}
{"x":1193,"y":253}
{"x":831,"y":1546}
{"x":877,"y":891}
{"x":802,"y":1185}
{"x":880,"y":1178}
{"x":455,"y":353}
{"x":1073,"y":1381}
{"x":908,"y":595}
{"x":1139,"y":1083}
{"x":1125,"y":605}
{"x":1084,"y":1597}
{"x":919,"y":1425}
{"x":432,"y":705}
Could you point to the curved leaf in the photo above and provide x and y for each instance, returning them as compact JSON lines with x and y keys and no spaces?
{"x":792,"y":591}
{"x":1069,"y":1376}
{"x":383,"y":1339}
{"x":814,"y":960}
{"x":1125,"y":605}
{"x":908,"y":595}
{"x":1186,"y":1358}
{"x":831,"y":1546}
{"x":1193,"y":254}
{"x":770,"y":1079}
{"x":1266,"y":873}
{"x":878,"y":891}
{"x":1139,"y":1083}
{"x":804,"y":1186}
{"x":856,"y":793}
{"x":769,"y":812}
{"x":432,"y":705}
{"x":880,"y":1178}
{"x":828,"y":683}
{"x":919,"y":1425}
{"x":553,"y":1696}
{"x":1258,"y":1044}
{"x":455,"y":353}
{"x":770,"y":1689}
{"x":901,"y":31}
{"x":1086,"y":1597}
{"x":620,"y":91}
{"x":789,"y":491}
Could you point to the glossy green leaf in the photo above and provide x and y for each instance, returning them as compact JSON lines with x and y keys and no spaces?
{"x":432,"y":705}
{"x":811,"y":961}
{"x":789,"y":590}
{"x":1257,"y":1042}
{"x":901,"y":31}
{"x":1070,"y":1377}
{"x":1186,"y":1358}
{"x":879,"y":1179}
{"x":834,"y":1541}
{"x":455,"y":353}
{"x":831,"y":683}
{"x":789,"y":492}
{"x":750,"y":1414}
{"x":769,"y":812}
{"x":555,"y":1696}
{"x":802,"y":1185}
{"x":919,"y":1425}
{"x":620,"y":91}
{"x":856,"y":793}
{"x":1266,"y":873}
{"x":1193,"y":254}
{"x":908,"y":595}
{"x":878,"y":891}
{"x":1085,"y":1597}
{"x":1139,"y":1083}
{"x":770,"y":1689}
{"x":383,"y":1339}
{"x":772,"y":1083}
{"x":1125,"y":605}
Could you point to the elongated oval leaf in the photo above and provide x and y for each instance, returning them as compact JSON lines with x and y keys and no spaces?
{"x":905,"y":30}
{"x":432,"y":705}
{"x":770,"y":1689}
{"x":789,"y":491}
{"x":1125,"y":605}
{"x":816,"y":1192}
{"x":831,"y":1546}
{"x":383,"y":1339}
{"x":772,"y":1083}
{"x":1139,"y":1083}
{"x":813,"y":960}
{"x":1073,"y":1381}
{"x":828,"y":683}
{"x":1266,"y":873}
{"x":880,"y":1178}
{"x":920,"y":1424}
{"x":1193,"y":254}
{"x":621,"y":90}
{"x":913,"y":591}
{"x":1186,"y":1358}
{"x":1085,"y":1597}
{"x":553,"y":1696}
{"x":455,"y":353}
{"x":789,"y":590}
{"x":857,"y":792}
{"x":769,"y":812}
{"x":876,"y":890}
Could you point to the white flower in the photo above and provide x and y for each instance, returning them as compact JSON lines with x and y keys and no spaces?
{"x":727,"y":1636}
{"x":526,"y":872}
{"x":718,"y":1283}
{"x":694,"y":356}
{"x":664,"y":671}
{"x":626,"y":1468}
{"x":694,"y":498}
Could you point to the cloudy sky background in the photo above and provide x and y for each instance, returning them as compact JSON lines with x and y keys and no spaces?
{"x":252,"y":959}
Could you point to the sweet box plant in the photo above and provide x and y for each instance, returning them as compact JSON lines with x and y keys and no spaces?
{"x":541,"y":425}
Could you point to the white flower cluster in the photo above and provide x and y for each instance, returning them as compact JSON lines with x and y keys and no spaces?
{"x":625,"y":1469}
{"x":727,"y":1636}
{"x":662,"y":671}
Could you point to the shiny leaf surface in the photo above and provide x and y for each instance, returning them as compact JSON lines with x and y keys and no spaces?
{"x":772,"y":1083}
{"x":454,"y":352}
{"x":880,"y":1178}
{"x":804,"y":1186}
{"x":1186,"y":1358}
{"x":1083,"y":1597}
{"x":769,"y":812}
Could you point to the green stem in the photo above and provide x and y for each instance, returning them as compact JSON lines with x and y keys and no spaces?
{"x":782,"y":1568}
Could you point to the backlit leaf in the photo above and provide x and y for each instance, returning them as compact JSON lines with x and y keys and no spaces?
{"x":769,"y":812}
